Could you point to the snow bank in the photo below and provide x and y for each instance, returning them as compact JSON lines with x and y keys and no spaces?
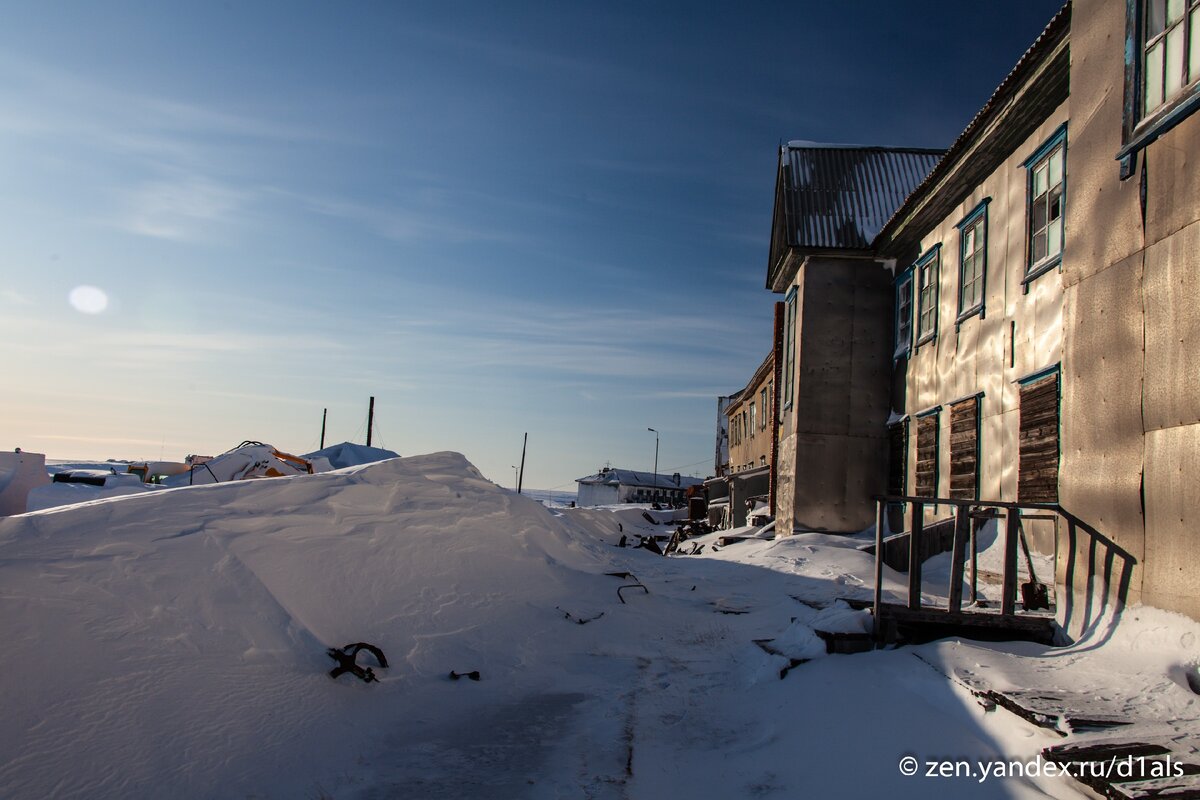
{"x":172,"y":644}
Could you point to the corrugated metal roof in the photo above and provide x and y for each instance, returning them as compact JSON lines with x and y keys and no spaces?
{"x":840,"y":196}
{"x":628,"y":477}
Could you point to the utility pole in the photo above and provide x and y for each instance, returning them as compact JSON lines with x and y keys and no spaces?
{"x":655,"y":458}
{"x":521,"y":476}
{"x":370,"y":419}
{"x":324,"y":416}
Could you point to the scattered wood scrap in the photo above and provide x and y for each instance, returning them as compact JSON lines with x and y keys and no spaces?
{"x":1129,"y":769}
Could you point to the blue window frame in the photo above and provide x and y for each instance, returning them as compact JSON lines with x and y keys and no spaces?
{"x":926,"y":270}
{"x":1162,"y":70}
{"x":972,"y":261}
{"x":904,"y":314}
{"x":1047,"y":202}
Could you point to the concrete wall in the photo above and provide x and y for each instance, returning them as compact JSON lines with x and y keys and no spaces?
{"x":833,"y":447}
{"x":1019,"y":332}
{"x":596,"y":494}
{"x":1131,"y":405}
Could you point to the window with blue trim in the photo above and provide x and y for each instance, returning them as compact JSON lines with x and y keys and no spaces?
{"x":904,"y":302}
{"x":1162,"y":70}
{"x":972,"y":255}
{"x":927,"y":294}
{"x":1170,"y":51}
{"x":1047,"y":203}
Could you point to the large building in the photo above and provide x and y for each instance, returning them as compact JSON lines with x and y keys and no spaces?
{"x":1023,"y":323}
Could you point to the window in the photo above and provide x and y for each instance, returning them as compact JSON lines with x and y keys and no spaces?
{"x":964,"y":449}
{"x":1047,"y":201}
{"x":789,"y":348}
{"x":903,"y":314}
{"x":753,"y":418}
{"x":763,"y":405}
{"x":927,"y":454}
{"x":927,"y":295}
{"x":972,"y":254}
{"x":1037,"y":464}
{"x":1170,"y":51}
{"x":1162,"y":81}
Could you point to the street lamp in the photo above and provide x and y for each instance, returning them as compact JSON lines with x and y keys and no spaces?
{"x":655,"y":458}
{"x":514,"y":469}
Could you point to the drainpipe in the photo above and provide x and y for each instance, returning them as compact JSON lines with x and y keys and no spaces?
{"x":778,"y":348}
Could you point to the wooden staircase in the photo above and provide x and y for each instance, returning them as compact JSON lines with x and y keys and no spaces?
{"x":1031,"y":619}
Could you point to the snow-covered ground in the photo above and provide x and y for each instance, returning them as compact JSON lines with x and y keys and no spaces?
{"x":172,"y":644}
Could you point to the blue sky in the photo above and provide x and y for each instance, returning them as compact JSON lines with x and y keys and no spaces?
{"x":494,"y":217}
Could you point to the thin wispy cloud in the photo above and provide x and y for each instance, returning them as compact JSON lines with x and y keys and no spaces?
{"x":525,"y":56}
{"x":597,"y":344}
{"x":146,"y":347}
{"x":401,"y":224}
{"x":46,"y":98}
{"x":183,"y":209}
{"x":431,"y":217}
{"x":13,"y":297}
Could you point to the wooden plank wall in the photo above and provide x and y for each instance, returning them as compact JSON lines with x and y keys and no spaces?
{"x":964,"y":449}
{"x":927,"y":455}
{"x":1037,"y":472}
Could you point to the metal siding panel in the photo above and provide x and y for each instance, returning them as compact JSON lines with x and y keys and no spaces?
{"x":1172,"y":500}
{"x":1102,"y":434}
{"x":1172,"y":284}
{"x":1173,"y":193}
{"x":1103,"y":220}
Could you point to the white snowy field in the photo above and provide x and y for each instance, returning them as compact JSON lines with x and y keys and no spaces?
{"x":172,"y":644}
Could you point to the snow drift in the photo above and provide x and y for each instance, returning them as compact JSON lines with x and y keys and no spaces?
{"x":177,"y":639}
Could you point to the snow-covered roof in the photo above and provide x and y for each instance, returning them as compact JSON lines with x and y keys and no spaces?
{"x":348,"y":454}
{"x":628,"y":477}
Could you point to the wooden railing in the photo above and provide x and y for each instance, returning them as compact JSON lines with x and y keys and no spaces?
{"x":964,"y":532}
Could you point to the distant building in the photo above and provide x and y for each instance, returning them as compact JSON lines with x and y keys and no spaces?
{"x":750,"y":420}
{"x":721,"y":459}
{"x":611,"y":486}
